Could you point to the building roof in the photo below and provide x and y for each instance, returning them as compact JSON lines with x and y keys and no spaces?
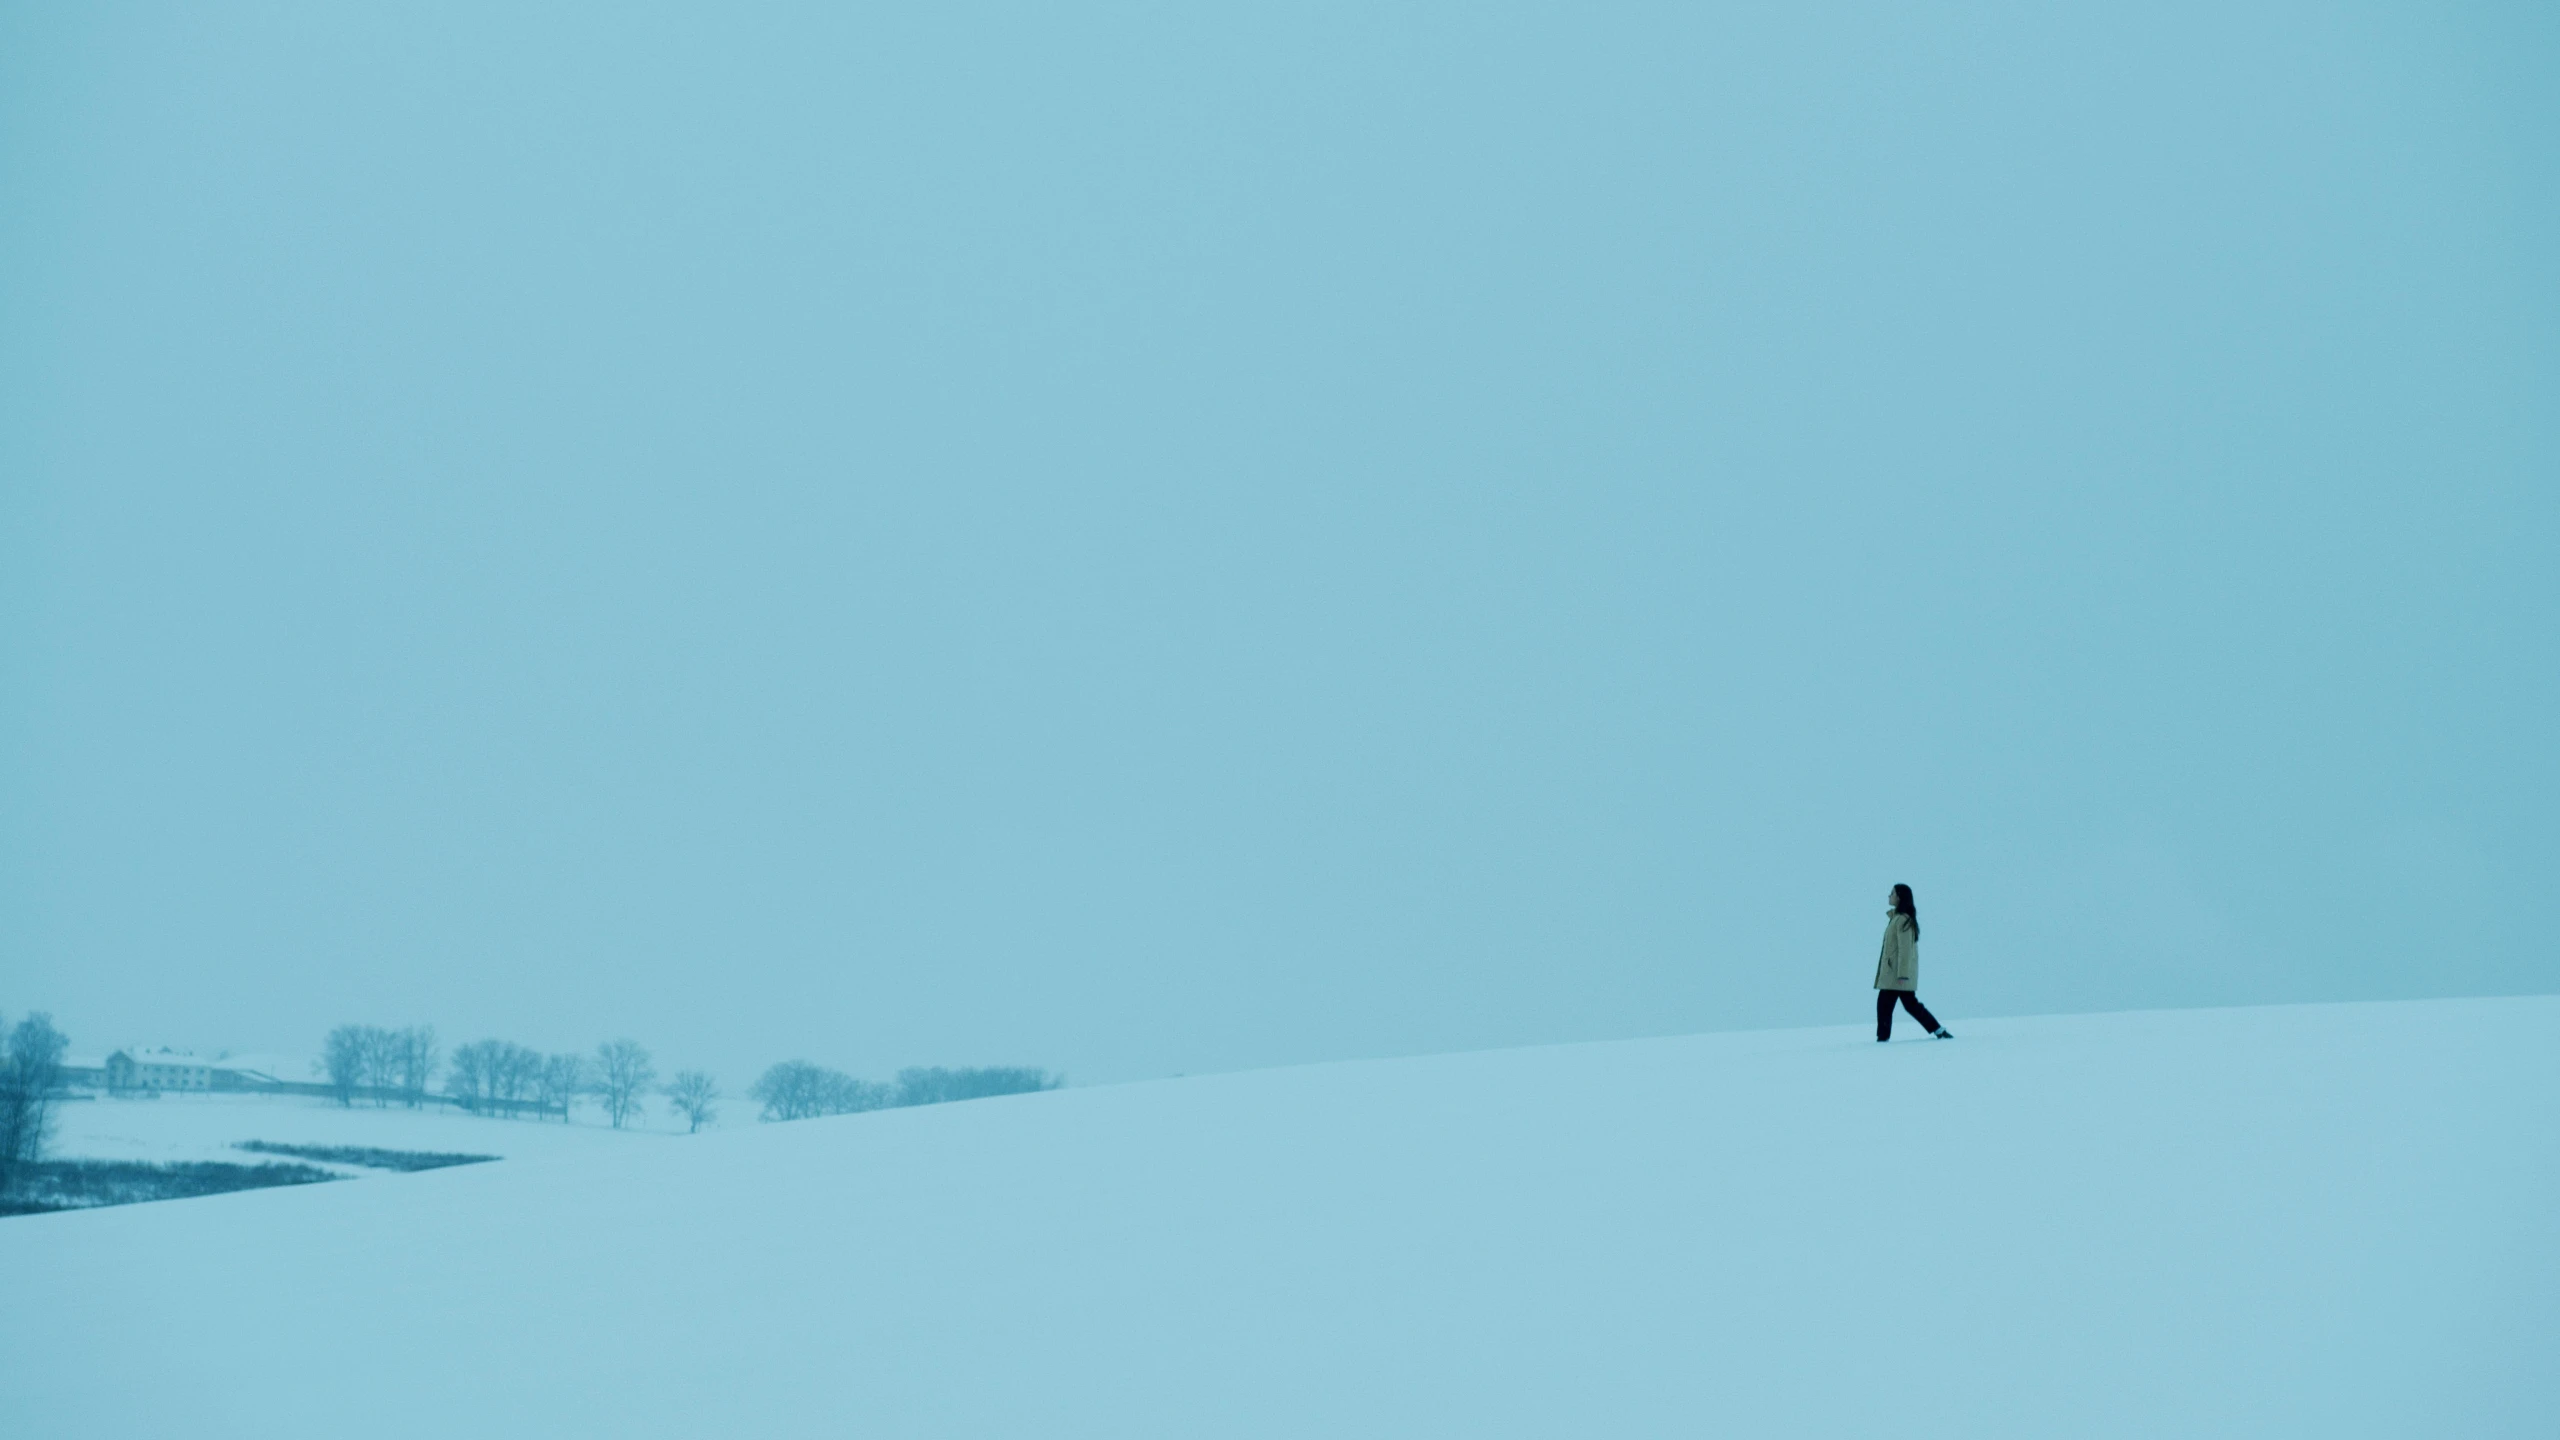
{"x":273,"y":1066}
{"x":174,"y":1058}
{"x":261,"y":1065}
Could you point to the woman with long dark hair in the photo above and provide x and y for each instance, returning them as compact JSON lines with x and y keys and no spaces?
{"x":1898,"y":969}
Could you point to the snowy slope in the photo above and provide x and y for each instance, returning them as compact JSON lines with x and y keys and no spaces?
{"x":2329,"y":1220}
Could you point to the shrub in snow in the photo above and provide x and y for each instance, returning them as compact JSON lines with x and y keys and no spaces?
{"x":84,"y":1184}
{"x":365,"y":1155}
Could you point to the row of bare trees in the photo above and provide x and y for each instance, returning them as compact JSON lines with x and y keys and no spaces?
{"x":800,"y":1090}
{"x":503,"y":1077}
{"x":388,"y":1066}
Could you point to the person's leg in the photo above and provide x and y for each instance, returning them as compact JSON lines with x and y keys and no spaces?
{"x":1884,"y":1014}
{"x":1919,"y":1012}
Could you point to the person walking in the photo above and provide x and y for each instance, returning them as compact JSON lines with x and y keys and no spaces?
{"x":1898,"y":968}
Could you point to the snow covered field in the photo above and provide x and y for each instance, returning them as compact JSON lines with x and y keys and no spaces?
{"x":206,"y":1126}
{"x":2303,"y":1221}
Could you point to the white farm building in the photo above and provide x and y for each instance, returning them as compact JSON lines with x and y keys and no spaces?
{"x":164,"y":1069}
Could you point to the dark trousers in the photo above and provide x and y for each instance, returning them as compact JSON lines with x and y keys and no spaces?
{"x":1910,"y":1002}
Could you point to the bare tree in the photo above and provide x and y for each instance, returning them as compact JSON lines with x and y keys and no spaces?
{"x":516,"y":1073}
{"x":30,"y":1072}
{"x":790,"y":1090}
{"x":469,"y":1077}
{"x":416,"y":1062}
{"x":623,"y":1075}
{"x":693,"y":1093}
{"x":344,"y":1057}
{"x":381,"y":1050}
{"x":564,"y":1079}
{"x":19,"y":1140}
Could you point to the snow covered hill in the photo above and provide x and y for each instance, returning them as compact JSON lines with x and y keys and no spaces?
{"x":2307,"y":1221}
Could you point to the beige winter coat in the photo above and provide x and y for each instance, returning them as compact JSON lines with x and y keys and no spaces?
{"x":1898,"y":968}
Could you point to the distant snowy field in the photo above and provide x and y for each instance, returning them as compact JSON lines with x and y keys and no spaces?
{"x":207,"y":1126}
{"x":2303,"y":1221}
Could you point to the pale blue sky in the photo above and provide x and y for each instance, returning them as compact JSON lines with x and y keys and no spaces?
{"x":1154,"y":539}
